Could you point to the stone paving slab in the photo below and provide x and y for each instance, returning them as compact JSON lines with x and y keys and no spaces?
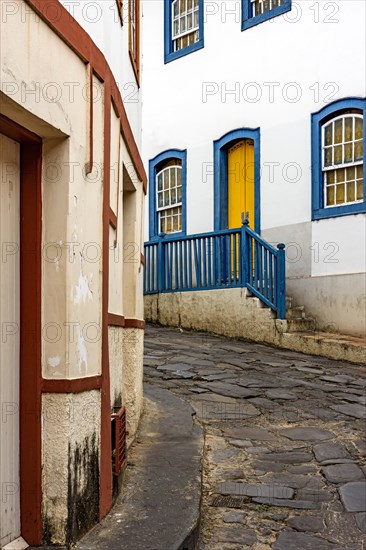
{"x":294,"y":451}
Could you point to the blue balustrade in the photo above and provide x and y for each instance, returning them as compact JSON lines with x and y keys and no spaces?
{"x":221,"y":259}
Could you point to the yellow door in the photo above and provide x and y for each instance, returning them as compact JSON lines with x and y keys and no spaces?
{"x":241,"y":183}
{"x":240,"y":194}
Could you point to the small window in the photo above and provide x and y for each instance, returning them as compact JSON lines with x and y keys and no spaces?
{"x":183,"y":27}
{"x":258,"y":11}
{"x":338,"y":159}
{"x":134,"y":35}
{"x":167,"y":196}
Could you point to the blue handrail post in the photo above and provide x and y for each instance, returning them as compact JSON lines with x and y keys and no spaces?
{"x":161,"y":263}
{"x":281,"y":281}
{"x":244,"y":252}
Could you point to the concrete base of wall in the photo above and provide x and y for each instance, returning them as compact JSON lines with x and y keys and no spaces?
{"x":233,"y":313}
{"x":132,"y":380}
{"x":70,"y":465}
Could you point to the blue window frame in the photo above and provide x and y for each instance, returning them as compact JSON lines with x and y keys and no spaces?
{"x":221,"y":147}
{"x":338,"y":159}
{"x":183,"y":28}
{"x":164,"y":172}
{"x":258,"y":11}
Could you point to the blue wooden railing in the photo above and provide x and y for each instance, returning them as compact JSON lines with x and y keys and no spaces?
{"x":221,"y":259}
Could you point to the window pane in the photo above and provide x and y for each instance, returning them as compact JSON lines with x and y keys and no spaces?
{"x":328,"y":157}
{"x":360,"y":171}
{"x":166,"y":179}
{"x":350,"y":173}
{"x":350,"y":192}
{"x":160,"y":200}
{"x":359,"y":128}
{"x":179,"y":190}
{"x":166,"y":198}
{"x":330,"y":195}
{"x":360,"y":190}
{"x":173,"y":194}
{"x":338,"y":154}
{"x":340,"y":175}
{"x":340,"y":194}
{"x":162,"y":225}
{"x":338,"y":131}
{"x":172,"y":178}
{"x":328,"y":135}
{"x":358,"y":150}
{"x":348,"y":154}
{"x":348,"y":129}
{"x":160,"y":182}
{"x":331,"y":176}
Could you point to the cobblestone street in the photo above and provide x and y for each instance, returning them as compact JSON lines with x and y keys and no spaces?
{"x":284,"y":456}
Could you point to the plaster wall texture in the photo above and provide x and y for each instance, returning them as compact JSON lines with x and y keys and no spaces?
{"x":70,"y":450}
{"x":132,"y":387}
{"x":101,"y":20}
{"x":33,"y":57}
{"x":239,"y":79}
{"x":115,"y":343}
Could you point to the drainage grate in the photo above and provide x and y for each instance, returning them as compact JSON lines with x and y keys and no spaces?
{"x":228,"y":502}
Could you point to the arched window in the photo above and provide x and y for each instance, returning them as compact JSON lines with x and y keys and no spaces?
{"x":168,"y":184}
{"x":167,"y":193}
{"x":338,"y":159}
{"x":342,"y":159}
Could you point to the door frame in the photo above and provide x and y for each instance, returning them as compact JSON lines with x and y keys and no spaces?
{"x":221,"y":147}
{"x":30,"y":328}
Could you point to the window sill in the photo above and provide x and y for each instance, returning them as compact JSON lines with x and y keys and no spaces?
{"x":185,"y":51}
{"x":343,"y":210}
{"x":256,"y":20}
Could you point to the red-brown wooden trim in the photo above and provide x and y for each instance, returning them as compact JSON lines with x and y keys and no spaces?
{"x":76,"y":385}
{"x":113,"y":218}
{"x":135,"y":61}
{"x":30,"y":341}
{"x":91,"y":123}
{"x":69,"y":30}
{"x":142,"y":259}
{"x":116,"y":320}
{"x":12,"y":130}
{"x":134,"y":323}
{"x":105,"y":432}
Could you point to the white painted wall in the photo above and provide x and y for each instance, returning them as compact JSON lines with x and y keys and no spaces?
{"x":101,"y":20}
{"x":278,"y":72}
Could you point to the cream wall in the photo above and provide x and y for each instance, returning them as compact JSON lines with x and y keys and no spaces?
{"x":101,"y":20}
{"x":46,"y":94}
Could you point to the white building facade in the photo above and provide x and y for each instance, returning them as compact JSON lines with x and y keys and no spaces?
{"x":259,"y":106}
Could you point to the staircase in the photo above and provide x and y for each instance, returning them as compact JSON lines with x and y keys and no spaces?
{"x":297,"y":321}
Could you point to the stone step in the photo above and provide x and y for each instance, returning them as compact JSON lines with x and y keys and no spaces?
{"x":297,"y":312}
{"x":300,"y":325}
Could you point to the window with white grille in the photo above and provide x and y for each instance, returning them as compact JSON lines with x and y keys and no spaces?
{"x":263,"y":6}
{"x":169,"y":197}
{"x":185,"y":23}
{"x":342,"y":160}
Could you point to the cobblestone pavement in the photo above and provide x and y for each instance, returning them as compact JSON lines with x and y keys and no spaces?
{"x":285,"y":450}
